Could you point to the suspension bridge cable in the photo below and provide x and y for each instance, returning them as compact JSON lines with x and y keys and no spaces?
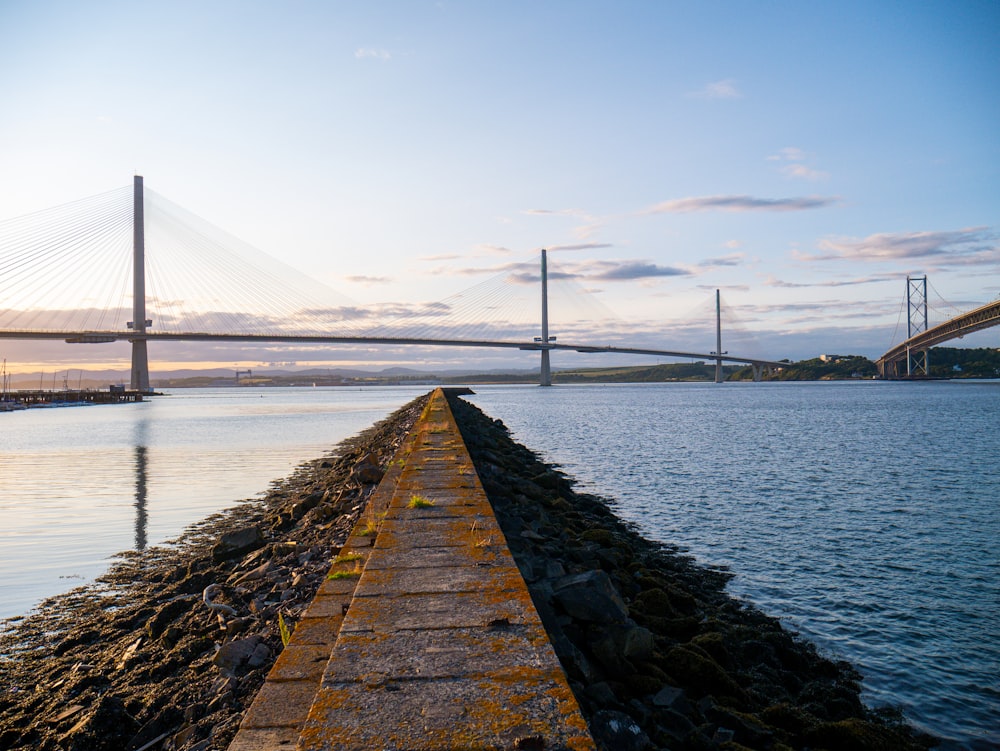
{"x":945,"y":315}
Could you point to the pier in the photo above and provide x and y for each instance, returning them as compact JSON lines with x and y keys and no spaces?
{"x":68,"y":397}
{"x":424,"y":635}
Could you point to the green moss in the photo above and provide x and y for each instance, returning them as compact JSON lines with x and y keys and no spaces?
{"x":344,"y":575}
{"x":712,"y":643}
{"x":655,"y":602}
{"x":601,"y":536}
{"x":701,"y":672}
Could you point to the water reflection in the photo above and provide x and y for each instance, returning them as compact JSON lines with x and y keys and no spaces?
{"x":141,"y":463}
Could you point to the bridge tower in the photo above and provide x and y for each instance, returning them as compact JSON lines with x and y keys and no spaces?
{"x":139,"y":380}
{"x":718,"y":339}
{"x":917,"y":362}
{"x":545,"y":375}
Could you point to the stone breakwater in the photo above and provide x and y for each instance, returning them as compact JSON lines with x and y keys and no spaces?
{"x":170,"y":650}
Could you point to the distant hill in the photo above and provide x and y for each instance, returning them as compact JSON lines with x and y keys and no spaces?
{"x":945,"y":362}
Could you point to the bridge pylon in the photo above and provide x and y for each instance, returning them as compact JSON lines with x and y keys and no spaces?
{"x":917,"y":361}
{"x":545,"y":372}
{"x":139,"y":380}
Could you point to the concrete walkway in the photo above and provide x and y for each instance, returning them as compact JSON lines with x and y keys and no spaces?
{"x":424,"y":635}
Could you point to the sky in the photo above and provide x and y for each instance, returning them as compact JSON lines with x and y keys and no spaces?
{"x":803,"y":158}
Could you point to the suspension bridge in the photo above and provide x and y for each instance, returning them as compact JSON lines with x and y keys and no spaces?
{"x":75,"y":237}
{"x":920,"y":337}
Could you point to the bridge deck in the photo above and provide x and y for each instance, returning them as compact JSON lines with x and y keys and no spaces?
{"x":427,"y":638}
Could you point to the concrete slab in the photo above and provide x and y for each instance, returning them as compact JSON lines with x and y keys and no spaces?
{"x":265,"y":739}
{"x":474,"y":578}
{"x":480,"y":550}
{"x":490,"y":711}
{"x":451,"y":531}
{"x":448,"y":653}
{"x":438,"y":611}
{"x":300,"y":662}
{"x":281,"y":704}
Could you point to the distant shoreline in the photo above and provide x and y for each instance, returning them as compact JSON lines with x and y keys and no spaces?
{"x":946,"y":363}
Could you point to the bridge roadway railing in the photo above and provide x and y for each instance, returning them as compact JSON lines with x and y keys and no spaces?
{"x":424,"y":635}
{"x":982,"y":317}
{"x":104,"y":337}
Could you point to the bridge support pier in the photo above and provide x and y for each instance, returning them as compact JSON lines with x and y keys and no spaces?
{"x":139,"y":380}
{"x":545,"y":370}
{"x":545,"y":375}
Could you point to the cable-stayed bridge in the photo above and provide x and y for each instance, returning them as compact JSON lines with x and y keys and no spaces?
{"x":208,"y":292}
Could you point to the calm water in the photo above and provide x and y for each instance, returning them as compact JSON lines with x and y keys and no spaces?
{"x":865,"y":515}
{"x":78,"y":484}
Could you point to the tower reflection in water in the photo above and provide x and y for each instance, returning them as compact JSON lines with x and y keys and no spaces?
{"x":141,"y":461}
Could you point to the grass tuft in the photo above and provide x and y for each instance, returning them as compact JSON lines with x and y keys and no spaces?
{"x":344,"y":575}
{"x":286,"y":633}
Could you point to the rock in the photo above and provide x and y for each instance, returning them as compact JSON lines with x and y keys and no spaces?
{"x":233,"y":654}
{"x":307,"y":504}
{"x":236,"y":626}
{"x":254,"y":574}
{"x":702,"y":673}
{"x":601,"y":694}
{"x":367,"y":471}
{"x":181,"y":738}
{"x":620,"y":645}
{"x":674,"y":723}
{"x":237,"y":543}
{"x":616,"y":730}
{"x":554,"y":570}
{"x":668,"y":696}
{"x":171,"y":635}
{"x":261,"y":655}
{"x":156,"y":625}
{"x":590,"y":596}
{"x":110,"y":726}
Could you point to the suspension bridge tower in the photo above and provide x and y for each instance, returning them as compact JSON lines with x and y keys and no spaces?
{"x":917,"y":361}
{"x":139,"y":380}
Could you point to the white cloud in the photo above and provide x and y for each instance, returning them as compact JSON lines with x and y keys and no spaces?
{"x":803,"y":172}
{"x":772,"y":281}
{"x":740,"y":203}
{"x":368,"y":280}
{"x":724,"y":89}
{"x":970,"y":246}
{"x":793,"y":158}
{"x":788,"y":154}
{"x":373,"y":53}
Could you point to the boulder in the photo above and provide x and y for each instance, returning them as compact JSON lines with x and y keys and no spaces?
{"x":233,"y":654}
{"x":367,"y":471}
{"x":613,"y":729}
{"x":237,"y":543}
{"x":620,"y":645}
{"x":590,"y":596}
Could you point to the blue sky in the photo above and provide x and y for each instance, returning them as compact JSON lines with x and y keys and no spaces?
{"x":803,"y":157}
